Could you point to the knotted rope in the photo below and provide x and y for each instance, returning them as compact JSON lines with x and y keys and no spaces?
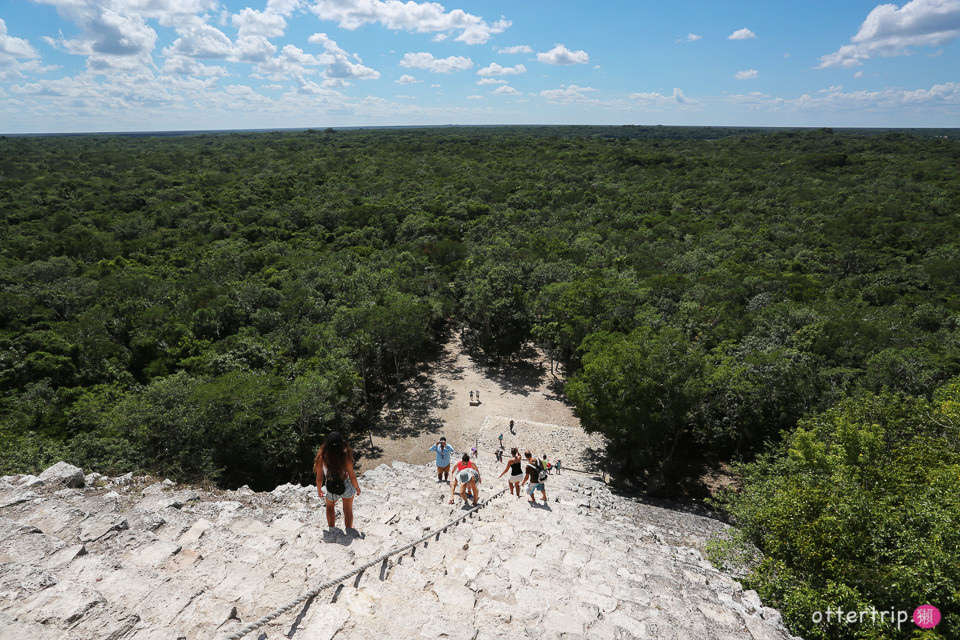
{"x":326,"y":585}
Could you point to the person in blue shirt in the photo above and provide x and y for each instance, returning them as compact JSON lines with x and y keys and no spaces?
{"x":444,"y":451}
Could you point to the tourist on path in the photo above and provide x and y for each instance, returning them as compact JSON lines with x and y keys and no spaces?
{"x":501,"y":441}
{"x":515,"y":467}
{"x":444,"y":451}
{"x":333,"y":467}
{"x":534,"y":477}
{"x":468,"y":477}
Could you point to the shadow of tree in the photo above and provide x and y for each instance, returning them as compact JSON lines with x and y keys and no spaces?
{"x":409,"y":412}
{"x":687,"y":496}
{"x":555,"y":386}
{"x":521,"y":375}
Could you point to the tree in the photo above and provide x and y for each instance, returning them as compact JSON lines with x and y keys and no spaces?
{"x":859,"y":508}
{"x":638,"y":390}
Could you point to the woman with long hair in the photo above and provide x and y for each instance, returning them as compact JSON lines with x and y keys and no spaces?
{"x":333,"y":467}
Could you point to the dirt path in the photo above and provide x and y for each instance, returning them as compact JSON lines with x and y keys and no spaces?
{"x":438,"y":402}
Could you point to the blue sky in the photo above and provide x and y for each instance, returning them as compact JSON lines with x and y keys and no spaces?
{"x":149,"y":65}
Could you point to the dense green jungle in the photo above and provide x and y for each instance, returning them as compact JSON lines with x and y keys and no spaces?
{"x":209,"y":306}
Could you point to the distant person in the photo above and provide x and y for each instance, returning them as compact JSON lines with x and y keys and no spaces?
{"x":478,"y":396}
{"x":471,"y":397}
{"x":443,"y":451}
{"x":467,"y":475}
{"x":557,"y":466}
{"x":536,"y":476}
{"x":333,"y":468}
{"x":501,"y":441}
{"x":473,"y":452}
{"x":511,"y":428}
{"x":545,"y":463}
{"x":499,"y":454}
{"x":515,"y":467}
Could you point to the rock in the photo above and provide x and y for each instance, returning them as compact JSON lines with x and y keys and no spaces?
{"x":98,"y":526}
{"x":63,"y":473}
{"x":121,"y":481}
{"x":171,"y":561}
{"x":17,"y":497}
{"x":91,"y":479}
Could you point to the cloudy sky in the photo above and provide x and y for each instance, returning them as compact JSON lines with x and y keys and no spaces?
{"x":148,"y":65}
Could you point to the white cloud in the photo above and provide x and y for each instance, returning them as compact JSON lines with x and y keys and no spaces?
{"x":569,"y":94}
{"x":184,"y":66}
{"x":690,"y":37}
{"x":892,"y":31}
{"x":742,"y":34}
{"x":111,"y":41}
{"x":420,"y":17}
{"x":339,"y":63}
{"x":749,"y":74}
{"x":17,"y":57}
{"x":475,"y":97}
{"x":169,"y":13}
{"x":483,"y":81}
{"x":493,"y":69}
{"x":202,"y":41}
{"x":506,"y":90}
{"x":258,"y":23}
{"x":654,"y":100}
{"x":517,"y":48}
{"x":424,"y":60}
{"x":285,"y":7}
{"x":835,"y":99}
{"x":858,"y":74}
{"x":292,"y":62}
{"x":12,"y":48}
{"x":561,"y":55}
{"x":252,"y":49}
{"x":407,"y":79}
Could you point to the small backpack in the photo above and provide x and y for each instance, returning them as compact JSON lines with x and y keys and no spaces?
{"x":337,"y":487}
{"x":543,"y":475}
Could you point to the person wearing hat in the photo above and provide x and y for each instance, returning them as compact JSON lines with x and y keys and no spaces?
{"x":443,"y":451}
{"x":333,"y":467}
{"x":467,"y":475}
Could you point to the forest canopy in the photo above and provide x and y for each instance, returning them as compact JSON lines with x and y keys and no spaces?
{"x":212,"y":305}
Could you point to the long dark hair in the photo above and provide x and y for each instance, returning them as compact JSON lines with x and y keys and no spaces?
{"x":334,"y":454}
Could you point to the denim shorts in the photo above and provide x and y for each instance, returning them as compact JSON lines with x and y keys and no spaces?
{"x":535,"y":487}
{"x":348,"y":493}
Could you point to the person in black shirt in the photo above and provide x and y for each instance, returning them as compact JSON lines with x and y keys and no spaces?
{"x":515,"y":467}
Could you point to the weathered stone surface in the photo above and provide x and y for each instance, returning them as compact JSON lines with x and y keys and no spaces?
{"x":64,"y":474}
{"x":97,"y":526}
{"x":166,"y":560}
{"x":61,"y":605}
{"x":17,"y":497}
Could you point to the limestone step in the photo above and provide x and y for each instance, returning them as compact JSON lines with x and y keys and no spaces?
{"x":145,"y":559}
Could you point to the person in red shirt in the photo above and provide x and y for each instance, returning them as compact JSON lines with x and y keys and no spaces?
{"x":467,"y":475}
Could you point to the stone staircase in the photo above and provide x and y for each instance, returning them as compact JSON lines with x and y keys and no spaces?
{"x":85,"y":557}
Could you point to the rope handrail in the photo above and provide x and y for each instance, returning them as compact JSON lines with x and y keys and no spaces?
{"x":326,"y":585}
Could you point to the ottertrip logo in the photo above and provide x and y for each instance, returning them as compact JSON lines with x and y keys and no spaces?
{"x":925,"y":616}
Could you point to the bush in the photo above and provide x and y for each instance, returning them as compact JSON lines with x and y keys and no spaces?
{"x":859,"y":508}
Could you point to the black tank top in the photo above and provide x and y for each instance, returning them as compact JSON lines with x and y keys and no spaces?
{"x":516,"y":468}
